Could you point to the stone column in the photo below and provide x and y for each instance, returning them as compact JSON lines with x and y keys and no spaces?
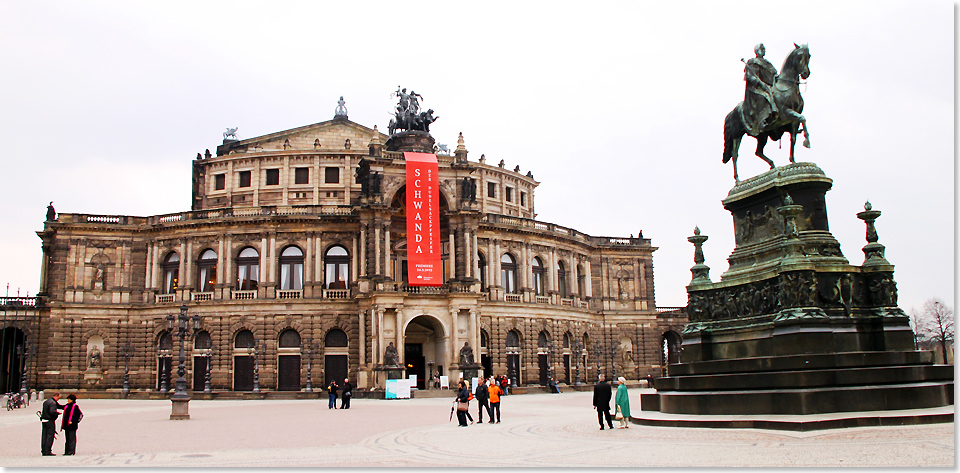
{"x":362,"y":271}
{"x":378,"y":329}
{"x":387,"y":264}
{"x":398,"y":335}
{"x":319,"y":275}
{"x":376,"y":249}
{"x":148,"y":277}
{"x":454,"y":348}
{"x":187,"y":261}
{"x":362,"y":316}
{"x":587,"y":279}
{"x":452,"y":274}
{"x":308,"y":264}
{"x":476,"y":258}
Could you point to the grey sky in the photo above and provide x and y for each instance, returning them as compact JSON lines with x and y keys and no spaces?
{"x":616,"y":108}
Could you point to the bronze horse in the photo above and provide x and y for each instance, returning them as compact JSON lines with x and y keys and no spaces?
{"x":786,"y":94}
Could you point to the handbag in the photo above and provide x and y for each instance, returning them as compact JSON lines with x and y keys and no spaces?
{"x":619,"y":414}
{"x":462,"y":406}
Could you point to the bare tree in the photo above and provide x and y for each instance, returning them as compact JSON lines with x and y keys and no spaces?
{"x":934,"y":323}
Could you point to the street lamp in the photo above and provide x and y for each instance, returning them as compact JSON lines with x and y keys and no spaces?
{"x":164,"y":374}
{"x":308,"y":349}
{"x":127,"y":353}
{"x":258,"y":347}
{"x":598,"y":352}
{"x":578,"y":352}
{"x":180,"y":399}
{"x":24,"y":353}
{"x":206,"y":377}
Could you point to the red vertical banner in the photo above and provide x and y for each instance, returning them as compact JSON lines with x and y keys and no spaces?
{"x":423,"y":220}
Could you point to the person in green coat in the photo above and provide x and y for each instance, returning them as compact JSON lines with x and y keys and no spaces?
{"x":623,"y":403}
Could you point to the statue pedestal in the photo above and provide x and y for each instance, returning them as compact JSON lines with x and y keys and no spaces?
{"x":793,"y":328}
{"x":470,"y":372}
{"x":416,"y":141}
{"x":180,"y":409}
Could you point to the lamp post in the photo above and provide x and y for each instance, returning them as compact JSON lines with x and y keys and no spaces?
{"x":206,"y":376}
{"x":598,"y":351}
{"x":258,"y":347}
{"x":24,"y":353}
{"x":308,"y":349}
{"x":613,"y":359}
{"x":578,"y":352}
{"x":127,"y":353}
{"x":180,"y":399}
{"x":164,"y":385}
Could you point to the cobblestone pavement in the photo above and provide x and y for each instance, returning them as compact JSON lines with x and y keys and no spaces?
{"x":538,"y":430}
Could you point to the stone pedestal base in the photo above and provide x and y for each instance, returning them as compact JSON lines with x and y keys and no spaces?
{"x":181,"y":409}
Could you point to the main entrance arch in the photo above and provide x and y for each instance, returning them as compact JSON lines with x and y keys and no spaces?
{"x":12,"y":362}
{"x":424,"y":349}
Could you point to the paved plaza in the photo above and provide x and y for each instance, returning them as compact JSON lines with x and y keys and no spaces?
{"x":537,"y":430}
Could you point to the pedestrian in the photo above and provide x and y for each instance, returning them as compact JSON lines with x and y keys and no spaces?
{"x":463,"y":402}
{"x":332,"y":395}
{"x":623,"y":403}
{"x":346,"y":394}
{"x":601,"y":401}
{"x":436,"y":379}
{"x":483,"y":400}
{"x":494,"y":393}
{"x":48,"y":419}
{"x":504,"y":385}
{"x":552,"y":384}
{"x":72,"y":415}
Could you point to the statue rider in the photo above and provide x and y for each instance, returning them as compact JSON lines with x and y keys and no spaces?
{"x":759,"y":107}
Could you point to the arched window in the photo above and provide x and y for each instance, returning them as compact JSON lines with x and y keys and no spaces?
{"x":289,"y":338}
{"x":202,"y":341}
{"x":166,"y":341}
{"x":513,"y":339}
{"x":337,"y":262}
{"x":335,"y":338}
{"x":291,"y":269}
{"x":482,"y":264}
{"x":244,"y":339}
{"x":207,"y":271}
{"x":543,"y":340}
{"x":581,"y":282}
{"x":538,"y":276}
{"x":566,"y":340}
{"x":562,"y":279}
{"x":248,"y":270}
{"x":171,"y":273}
{"x":508,"y":273}
{"x":484,"y":339}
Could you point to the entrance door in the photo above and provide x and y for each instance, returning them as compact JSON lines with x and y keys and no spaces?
{"x":164,"y":366}
{"x":243,"y":373}
{"x":544,"y":369}
{"x":413,"y":353}
{"x":11,"y":360}
{"x":487,"y":364}
{"x":566,"y":369}
{"x":288,"y":378}
{"x":334,"y":369}
{"x":513,"y":369}
{"x":199,"y":372}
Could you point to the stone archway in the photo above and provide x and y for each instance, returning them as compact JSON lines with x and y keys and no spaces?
{"x":424,"y":348}
{"x":12,"y":360}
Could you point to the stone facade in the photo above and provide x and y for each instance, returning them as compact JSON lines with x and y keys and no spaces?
{"x":297,"y":273}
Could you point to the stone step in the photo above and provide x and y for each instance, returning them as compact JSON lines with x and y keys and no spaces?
{"x":808,"y":401}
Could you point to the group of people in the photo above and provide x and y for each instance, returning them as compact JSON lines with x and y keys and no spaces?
{"x":346,"y":392}
{"x":487,"y":394}
{"x":49,"y":413}
{"x":601,"y":402}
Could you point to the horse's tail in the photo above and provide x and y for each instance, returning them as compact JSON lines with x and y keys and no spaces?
{"x":732,"y":129}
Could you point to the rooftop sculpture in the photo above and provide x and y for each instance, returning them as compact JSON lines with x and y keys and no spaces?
{"x":408,"y":115}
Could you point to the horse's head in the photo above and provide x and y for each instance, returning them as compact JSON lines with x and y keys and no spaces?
{"x":798,"y":61}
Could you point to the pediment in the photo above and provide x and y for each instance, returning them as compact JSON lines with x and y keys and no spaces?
{"x":330,"y":135}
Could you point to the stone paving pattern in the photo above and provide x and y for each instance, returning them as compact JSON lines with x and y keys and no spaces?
{"x":538,"y":430}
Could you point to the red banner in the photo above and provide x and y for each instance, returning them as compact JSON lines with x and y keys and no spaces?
{"x":423,"y":220}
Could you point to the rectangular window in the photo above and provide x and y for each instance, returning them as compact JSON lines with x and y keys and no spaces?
{"x":244,"y":178}
{"x":491,"y":189}
{"x":301,"y":176}
{"x":219,"y":182}
{"x":509,"y":194}
{"x":273,"y":177}
{"x":332,"y":175}
{"x":523,"y":199}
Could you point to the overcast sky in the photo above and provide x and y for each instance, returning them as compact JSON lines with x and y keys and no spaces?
{"x":617,"y":108}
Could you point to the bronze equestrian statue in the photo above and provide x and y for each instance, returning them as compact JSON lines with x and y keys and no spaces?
{"x":771,"y":107}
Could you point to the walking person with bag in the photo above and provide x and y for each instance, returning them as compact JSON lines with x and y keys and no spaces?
{"x":462,"y":401}
{"x":623,"y":403}
{"x":48,"y":419}
{"x":72,"y":415}
{"x":483,"y":400}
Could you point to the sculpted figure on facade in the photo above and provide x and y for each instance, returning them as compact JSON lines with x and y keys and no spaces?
{"x":466,"y":355}
{"x":95,"y":361}
{"x":390,"y":356}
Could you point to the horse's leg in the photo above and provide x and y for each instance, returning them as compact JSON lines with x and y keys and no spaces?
{"x":736,"y":147}
{"x":803,"y":122}
{"x":761,"y":143}
{"x":793,"y":142}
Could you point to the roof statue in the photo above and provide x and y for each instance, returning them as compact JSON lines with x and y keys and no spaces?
{"x":771,"y":105}
{"x":231,"y":132}
{"x":407,"y":115}
{"x":341,"y":110}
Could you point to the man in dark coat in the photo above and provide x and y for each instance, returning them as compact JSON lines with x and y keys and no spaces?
{"x":346,"y":394}
{"x":71,"y":418}
{"x":48,"y":418}
{"x":601,"y":401}
{"x":483,"y":399}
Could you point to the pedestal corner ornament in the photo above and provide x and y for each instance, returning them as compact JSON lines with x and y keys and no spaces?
{"x":423,"y":220}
